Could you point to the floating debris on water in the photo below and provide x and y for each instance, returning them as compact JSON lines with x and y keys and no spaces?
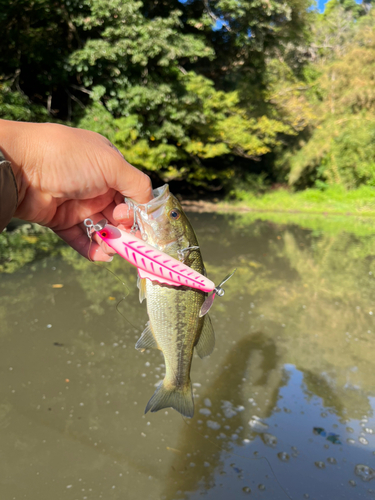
{"x":320,"y":464}
{"x":269,"y":439}
{"x":257,"y":425}
{"x":229,"y":410}
{"x":205,"y":411}
{"x":283,"y":456}
{"x":213,"y":425}
{"x":330,"y":436}
{"x":362,"y":440}
{"x":364,"y":472}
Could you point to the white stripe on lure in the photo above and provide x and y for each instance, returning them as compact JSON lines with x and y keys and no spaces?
{"x":154,"y":264}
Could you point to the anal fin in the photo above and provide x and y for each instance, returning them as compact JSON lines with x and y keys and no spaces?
{"x":206,"y":342}
{"x":146,"y":340}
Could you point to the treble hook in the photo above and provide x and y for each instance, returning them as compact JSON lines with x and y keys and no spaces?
{"x":207,"y":304}
{"x":130,"y":204}
{"x":135,"y":227}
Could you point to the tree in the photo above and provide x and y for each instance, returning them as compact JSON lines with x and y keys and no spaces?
{"x":181,"y":88}
{"x":340,"y":148}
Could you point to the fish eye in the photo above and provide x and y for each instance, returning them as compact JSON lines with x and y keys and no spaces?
{"x":175,"y":214}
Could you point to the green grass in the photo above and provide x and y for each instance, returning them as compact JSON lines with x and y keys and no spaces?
{"x":318,"y":223}
{"x":334,"y":200}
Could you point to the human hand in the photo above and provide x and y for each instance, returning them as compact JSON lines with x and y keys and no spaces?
{"x":65,"y":175}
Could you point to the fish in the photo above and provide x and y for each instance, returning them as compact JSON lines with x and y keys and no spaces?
{"x":175,"y":326}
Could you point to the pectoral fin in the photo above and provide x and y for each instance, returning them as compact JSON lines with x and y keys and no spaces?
{"x":146,"y":340}
{"x":141,"y":283}
{"x":206,"y":342}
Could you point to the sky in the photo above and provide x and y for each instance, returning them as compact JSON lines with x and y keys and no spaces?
{"x":321,"y":4}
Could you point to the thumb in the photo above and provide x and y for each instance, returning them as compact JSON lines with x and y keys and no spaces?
{"x":128,"y":180}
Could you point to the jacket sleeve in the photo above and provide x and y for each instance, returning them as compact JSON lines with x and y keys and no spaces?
{"x":8,"y":192}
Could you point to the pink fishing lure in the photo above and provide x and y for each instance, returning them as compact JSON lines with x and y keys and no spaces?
{"x":152,"y":263}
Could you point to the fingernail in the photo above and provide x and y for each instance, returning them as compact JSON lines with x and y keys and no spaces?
{"x":110,"y":259}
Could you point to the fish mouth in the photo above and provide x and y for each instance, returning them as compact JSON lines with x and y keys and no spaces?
{"x":149,"y":213}
{"x":156,"y":205}
{"x":161,"y":195}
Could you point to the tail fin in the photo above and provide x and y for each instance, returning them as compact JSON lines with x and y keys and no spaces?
{"x":179,"y":398}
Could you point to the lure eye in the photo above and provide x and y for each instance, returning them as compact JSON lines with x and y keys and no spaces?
{"x":104,"y":234}
{"x":175,"y":214}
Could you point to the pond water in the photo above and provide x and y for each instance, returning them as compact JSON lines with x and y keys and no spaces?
{"x":284,"y":406}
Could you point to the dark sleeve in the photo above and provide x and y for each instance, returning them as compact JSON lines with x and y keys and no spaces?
{"x":8,"y":192}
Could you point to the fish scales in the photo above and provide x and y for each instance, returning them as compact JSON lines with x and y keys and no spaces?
{"x":174,"y":324}
{"x":174,"y":319}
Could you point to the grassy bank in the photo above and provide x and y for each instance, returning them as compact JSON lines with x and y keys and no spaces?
{"x":334,"y":200}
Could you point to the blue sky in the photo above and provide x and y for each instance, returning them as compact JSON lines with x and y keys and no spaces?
{"x":321,"y":4}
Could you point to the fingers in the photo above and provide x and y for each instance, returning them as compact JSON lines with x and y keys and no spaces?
{"x":123,"y":215}
{"x":77,"y":238}
{"x":73,"y":212}
{"x":126,"y":179}
{"x":108,"y":214}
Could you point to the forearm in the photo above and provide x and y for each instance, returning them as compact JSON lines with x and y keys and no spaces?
{"x":15,"y":145}
{"x":12,"y":150}
{"x":8,"y":192}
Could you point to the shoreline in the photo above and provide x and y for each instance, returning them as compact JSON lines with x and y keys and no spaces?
{"x":221,"y":207}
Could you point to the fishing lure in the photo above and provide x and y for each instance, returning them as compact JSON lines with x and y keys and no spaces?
{"x":154,"y":264}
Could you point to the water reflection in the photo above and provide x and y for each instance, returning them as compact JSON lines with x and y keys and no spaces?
{"x":250,"y":367}
{"x":284,"y":405}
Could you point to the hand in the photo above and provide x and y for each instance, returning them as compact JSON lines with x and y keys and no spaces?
{"x":65,"y":175}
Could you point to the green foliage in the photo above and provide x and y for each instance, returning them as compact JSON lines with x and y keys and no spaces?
{"x":339,"y":148}
{"x":26,"y":244}
{"x":348,"y":5}
{"x":213,"y":125}
{"x":176,"y":89}
{"x":14,"y":105}
{"x":213,"y":93}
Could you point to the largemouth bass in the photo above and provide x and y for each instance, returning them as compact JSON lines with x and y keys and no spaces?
{"x":174,"y":326}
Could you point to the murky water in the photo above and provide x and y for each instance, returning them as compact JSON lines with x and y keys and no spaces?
{"x":283,"y":406}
